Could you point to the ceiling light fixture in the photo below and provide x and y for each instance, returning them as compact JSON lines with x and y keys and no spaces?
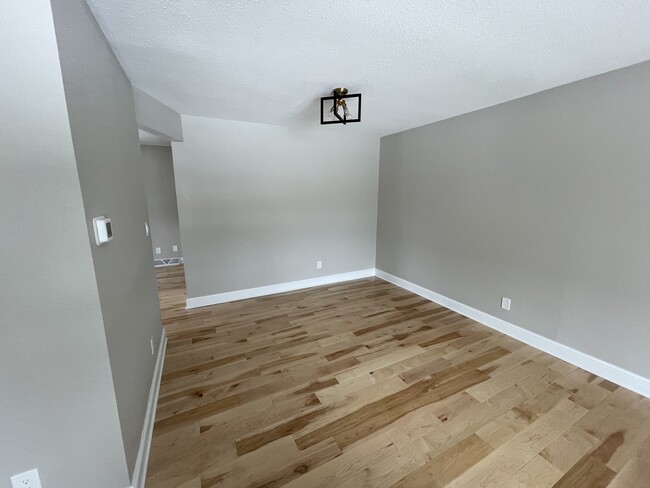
{"x":345,"y":108}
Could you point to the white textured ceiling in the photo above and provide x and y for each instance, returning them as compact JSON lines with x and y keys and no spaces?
{"x":415,"y":61}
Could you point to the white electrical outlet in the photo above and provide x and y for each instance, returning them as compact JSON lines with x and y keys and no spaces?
{"x":152,"y":346}
{"x":505,"y":303}
{"x":157,"y":250}
{"x":319,"y":264}
{"x":28,"y":479}
{"x":175,"y":248}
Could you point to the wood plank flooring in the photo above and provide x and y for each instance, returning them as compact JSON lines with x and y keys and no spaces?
{"x":363,"y":384}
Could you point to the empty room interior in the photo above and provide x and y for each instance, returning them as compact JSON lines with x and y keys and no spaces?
{"x":325,"y":243}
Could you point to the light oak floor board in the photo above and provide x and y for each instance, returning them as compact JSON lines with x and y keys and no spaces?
{"x":363,"y":384}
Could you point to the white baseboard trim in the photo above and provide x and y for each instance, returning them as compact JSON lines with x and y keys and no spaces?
{"x":261,"y":291}
{"x":141,"y":462}
{"x":615,"y":374}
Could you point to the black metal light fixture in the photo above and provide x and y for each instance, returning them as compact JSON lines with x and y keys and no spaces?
{"x":340,"y":108}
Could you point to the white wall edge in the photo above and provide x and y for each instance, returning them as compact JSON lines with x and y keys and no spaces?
{"x":261,"y":291}
{"x":142,"y":460}
{"x":615,"y":374}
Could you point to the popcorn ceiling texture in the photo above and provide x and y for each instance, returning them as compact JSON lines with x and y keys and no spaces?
{"x":415,"y":61}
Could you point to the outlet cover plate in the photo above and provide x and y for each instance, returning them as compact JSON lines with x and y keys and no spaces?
{"x":505,"y":303}
{"x":28,"y":479}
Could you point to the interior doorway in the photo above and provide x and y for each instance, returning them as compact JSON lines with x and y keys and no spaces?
{"x":164,"y":228}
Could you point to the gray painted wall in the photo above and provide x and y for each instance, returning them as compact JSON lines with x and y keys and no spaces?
{"x":260,"y":204}
{"x":158,"y":169}
{"x":545,"y":200}
{"x":156,"y":117}
{"x":57,"y":404}
{"x":107,"y":149}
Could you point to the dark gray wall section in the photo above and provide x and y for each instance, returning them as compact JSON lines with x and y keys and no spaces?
{"x":260,"y":204}
{"x":158,"y":171}
{"x":107,"y":149}
{"x":545,"y":200}
{"x":57,"y":405}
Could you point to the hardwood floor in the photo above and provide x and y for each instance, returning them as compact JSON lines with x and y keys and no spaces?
{"x":363,"y":384}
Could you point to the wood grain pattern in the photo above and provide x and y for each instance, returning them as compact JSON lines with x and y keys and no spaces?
{"x":362,"y":384}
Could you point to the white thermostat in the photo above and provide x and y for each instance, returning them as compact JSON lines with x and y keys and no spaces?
{"x":103,"y":230}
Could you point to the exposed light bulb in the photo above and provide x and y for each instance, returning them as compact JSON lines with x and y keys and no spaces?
{"x":346,"y":112}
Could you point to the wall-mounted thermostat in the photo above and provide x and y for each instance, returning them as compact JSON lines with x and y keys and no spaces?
{"x":103,"y":230}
